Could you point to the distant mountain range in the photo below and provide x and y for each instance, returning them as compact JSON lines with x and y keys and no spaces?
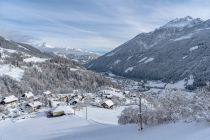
{"x":179,"y":50}
{"x":77,"y":55}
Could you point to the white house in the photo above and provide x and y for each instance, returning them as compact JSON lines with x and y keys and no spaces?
{"x":107,"y":104}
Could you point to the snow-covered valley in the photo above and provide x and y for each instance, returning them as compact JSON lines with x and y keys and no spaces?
{"x":112,"y":108}
{"x":103,"y":123}
{"x":155,"y":86}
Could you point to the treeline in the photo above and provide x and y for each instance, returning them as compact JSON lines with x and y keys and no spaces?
{"x":55,"y":74}
{"x":170,"y":106}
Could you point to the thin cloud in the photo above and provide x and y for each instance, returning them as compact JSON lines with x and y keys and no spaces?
{"x":93,"y":24}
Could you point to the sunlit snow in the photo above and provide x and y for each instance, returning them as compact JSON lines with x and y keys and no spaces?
{"x":35,"y":59}
{"x":11,"y":71}
{"x":194,"y":48}
{"x":128,"y":69}
{"x":149,"y":60}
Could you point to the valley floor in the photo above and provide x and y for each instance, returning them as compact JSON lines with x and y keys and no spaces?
{"x":99,"y":126}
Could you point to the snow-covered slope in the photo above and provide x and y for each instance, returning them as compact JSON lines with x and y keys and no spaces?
{"x":12,"y":54}
{"x":11,"y":71}
{"x":101,"y":115}
{"x":15,"y":47}
{"x":71,"y":127}
{"x":35,"y":59}
{"x":24,"y":68}
{"x":170,"y":53}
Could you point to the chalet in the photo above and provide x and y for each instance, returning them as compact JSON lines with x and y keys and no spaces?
{"x":78,"y":97}
{"x":74,"y":101}
{"x":60,"y":111}
{"x":53,"y":103}
{"x":96,"y":102}
{"x":34,"y":106}
{"x":110,"y":93}
{"x":28,"y":95}
{"x":47,"y":93}
{"x":106,"y":95}
{"x":126,"y":92}
{"x":9,"y":101}
{"x":107,"y":104}
{"x":55,"y":114}
{"x":64,"y":98}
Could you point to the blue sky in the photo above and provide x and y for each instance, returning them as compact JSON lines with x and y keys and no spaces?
{"x":96,"y":25}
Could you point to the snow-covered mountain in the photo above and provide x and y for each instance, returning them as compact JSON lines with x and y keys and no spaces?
{"x":183,"y":22}
{"x":24,"y":68}
{"x":77,"y":55}
{"x":177,"y":51}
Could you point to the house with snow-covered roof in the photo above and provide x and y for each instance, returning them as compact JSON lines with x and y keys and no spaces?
{"x":28,"y":95}
{"x":33,"y":106}
{"x":10,"y":101}
{"x":60,"y":111}
{"x":107,"y":104}
{"x":47,"y":92}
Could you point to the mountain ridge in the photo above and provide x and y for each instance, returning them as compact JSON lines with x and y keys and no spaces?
{"x":24,"y":68}
{"x":168,"y":54}
{"x":74,"y":54}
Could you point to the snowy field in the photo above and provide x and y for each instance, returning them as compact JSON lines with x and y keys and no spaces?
{"x":101,"y":115}
{"x":12,"y":71}
{"x":101,"y":125}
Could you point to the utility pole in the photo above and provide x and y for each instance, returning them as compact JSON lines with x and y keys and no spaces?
{"x":74,"y":110}
{"x":140,"y":113}
{"x":86,"y":104}
{"x":86,"y":112}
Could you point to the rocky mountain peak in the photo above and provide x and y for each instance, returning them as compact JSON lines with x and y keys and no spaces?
{"x":183,"y":22}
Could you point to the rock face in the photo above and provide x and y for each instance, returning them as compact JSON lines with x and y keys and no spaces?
{"x":176,"y":51}
{"x":24,"y":68}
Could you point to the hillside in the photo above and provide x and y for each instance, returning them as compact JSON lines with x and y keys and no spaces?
{"x":174,"y":52}
{"x":24,"y":68}
{"x":78,"y":55}
{"x":78,"y":128}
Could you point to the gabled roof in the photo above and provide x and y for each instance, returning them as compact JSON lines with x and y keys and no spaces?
{"x":109,"y":103}
{"x":9,"y":99}
{"x":35,"y":104}
{"x":29,"y":94}
{"x":66,"y":109}
{"x":47,"y":92}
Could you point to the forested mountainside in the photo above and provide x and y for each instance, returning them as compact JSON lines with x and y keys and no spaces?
{"x":24,"y":68}
{"x":179,"y":50}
